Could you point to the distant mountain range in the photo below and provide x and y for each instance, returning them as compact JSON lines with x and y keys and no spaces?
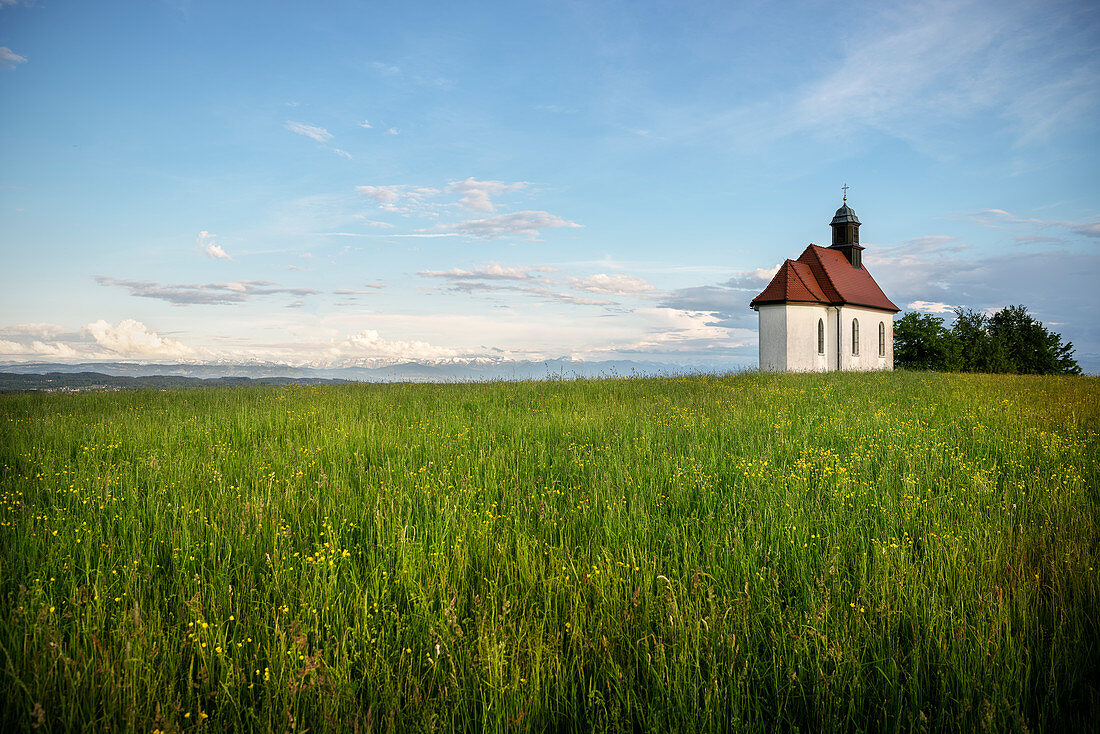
{"x":133,"y":375}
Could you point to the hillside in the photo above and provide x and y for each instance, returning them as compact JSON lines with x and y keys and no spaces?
{"x":753,"y":552}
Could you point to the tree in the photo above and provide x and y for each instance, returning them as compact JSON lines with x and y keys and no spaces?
{"x":978,"y":352}
{"x":922,"y":342}
{"x":1034,"y":350}
{"x":1009,"y":341}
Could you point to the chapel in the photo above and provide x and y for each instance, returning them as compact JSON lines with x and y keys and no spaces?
{"x":824,"y":311}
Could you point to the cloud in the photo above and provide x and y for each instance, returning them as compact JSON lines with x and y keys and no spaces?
{"x":342,"y":153}
{"x":383,"y":194}
{"x":1088,"y":229}
{"x":472,"y":194}
{"x":684,"y":334}
{"x":1057,"y":284}
{"x":399,"y":198}
{"x":42,"y":331}
{"x":1001,"y":219}
{"x":9,"y":59}
{"x":477,"y":195}
{"x":370,"y":344}
{"x":208,"y":246}
{"x":571,"y":298}
{"x":930,"y":307}
{"x":365,"y":124}
{"x":372,"y":222}
{"x":385,"y":68}
{"x":37,"y":348}
{"x":37,"y":340}
{"x":374,"y":288}
{"x":133,"y":339}
{"x":728,"y":302}
{"x":314,"y":132}
{"x":494,"y":277}
{"x":491,"y":271}
{"x":618,"y":284}
{"x":526,"y":224}
{"x":752,"y":280}
{"x":553,"y":108}
{"x":393,"y":131}
{"x":918,"y":72}
{"x":426,"y":235}
{"x":912,"y":67}
{"x":1031,"y":239}
{"x":209,"y":294}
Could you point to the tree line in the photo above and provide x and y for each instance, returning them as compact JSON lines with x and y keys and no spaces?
{"x":1010,"y":341}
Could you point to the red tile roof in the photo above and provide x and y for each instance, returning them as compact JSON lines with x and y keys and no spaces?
{"x":824,"y":275}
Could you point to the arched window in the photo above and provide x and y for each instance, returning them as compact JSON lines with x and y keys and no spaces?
{"x":855,"y":337}
{"x":820,"y":336}
{"x":882,"y":338}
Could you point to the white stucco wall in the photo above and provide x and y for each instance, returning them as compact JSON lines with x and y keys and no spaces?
{"x":868,"y":358}
{"x":802,"y":354}
{"x":773,"y":338}
{"x":788,"y":338}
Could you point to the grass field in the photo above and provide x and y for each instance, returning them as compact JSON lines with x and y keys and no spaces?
{"x":884,"y":552}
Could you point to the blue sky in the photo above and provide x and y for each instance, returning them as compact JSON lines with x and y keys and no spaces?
{"x":350,"y":183}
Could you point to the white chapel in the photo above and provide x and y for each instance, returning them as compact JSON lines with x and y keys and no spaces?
{"x":824,"y":311}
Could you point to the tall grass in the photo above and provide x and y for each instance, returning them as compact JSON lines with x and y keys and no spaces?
{"x":883,"y":552}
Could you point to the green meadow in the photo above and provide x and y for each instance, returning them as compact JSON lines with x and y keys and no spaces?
{"x":882,"y":552}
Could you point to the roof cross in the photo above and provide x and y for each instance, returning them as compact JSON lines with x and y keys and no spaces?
{"x":845,"y":187}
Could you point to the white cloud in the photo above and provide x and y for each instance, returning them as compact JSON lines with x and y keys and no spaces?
{"x":1001,"y":219}
{"x":370,"y":344}
{"x":399,"y":198}
{"x":8,"y":58}
{"x":365,"y":124}
{"x":133,"y":339}
{"x":494,"y":278}
{"x":342,"y":153}
{"x":385,"y":68}
{"x":753,"y":280}
{"x":372,"y":222}
{"x":382,"y":194}
{"x":320,"y":134}
{"x":728,"y":302}
{"x":1058,"y":284}
{"x":210,"y":248}
{"x":617,"y":284}
{"x":373,"y":289}
{"x":208,"y":294}
{"x":37,"y":348}
{"x":930,"y":307}
{"x":916,"y":71}
{"x":1088,"y":229}
{"x":393,"y":131}
{"x":477,"y":195}
{"x":491,"y":271}
{"x":526,"y":224}
{"x":42,"y":331}
{"x":678,"y":334}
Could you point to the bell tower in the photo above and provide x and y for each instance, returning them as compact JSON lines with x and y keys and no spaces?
{"x":845,"y":226}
